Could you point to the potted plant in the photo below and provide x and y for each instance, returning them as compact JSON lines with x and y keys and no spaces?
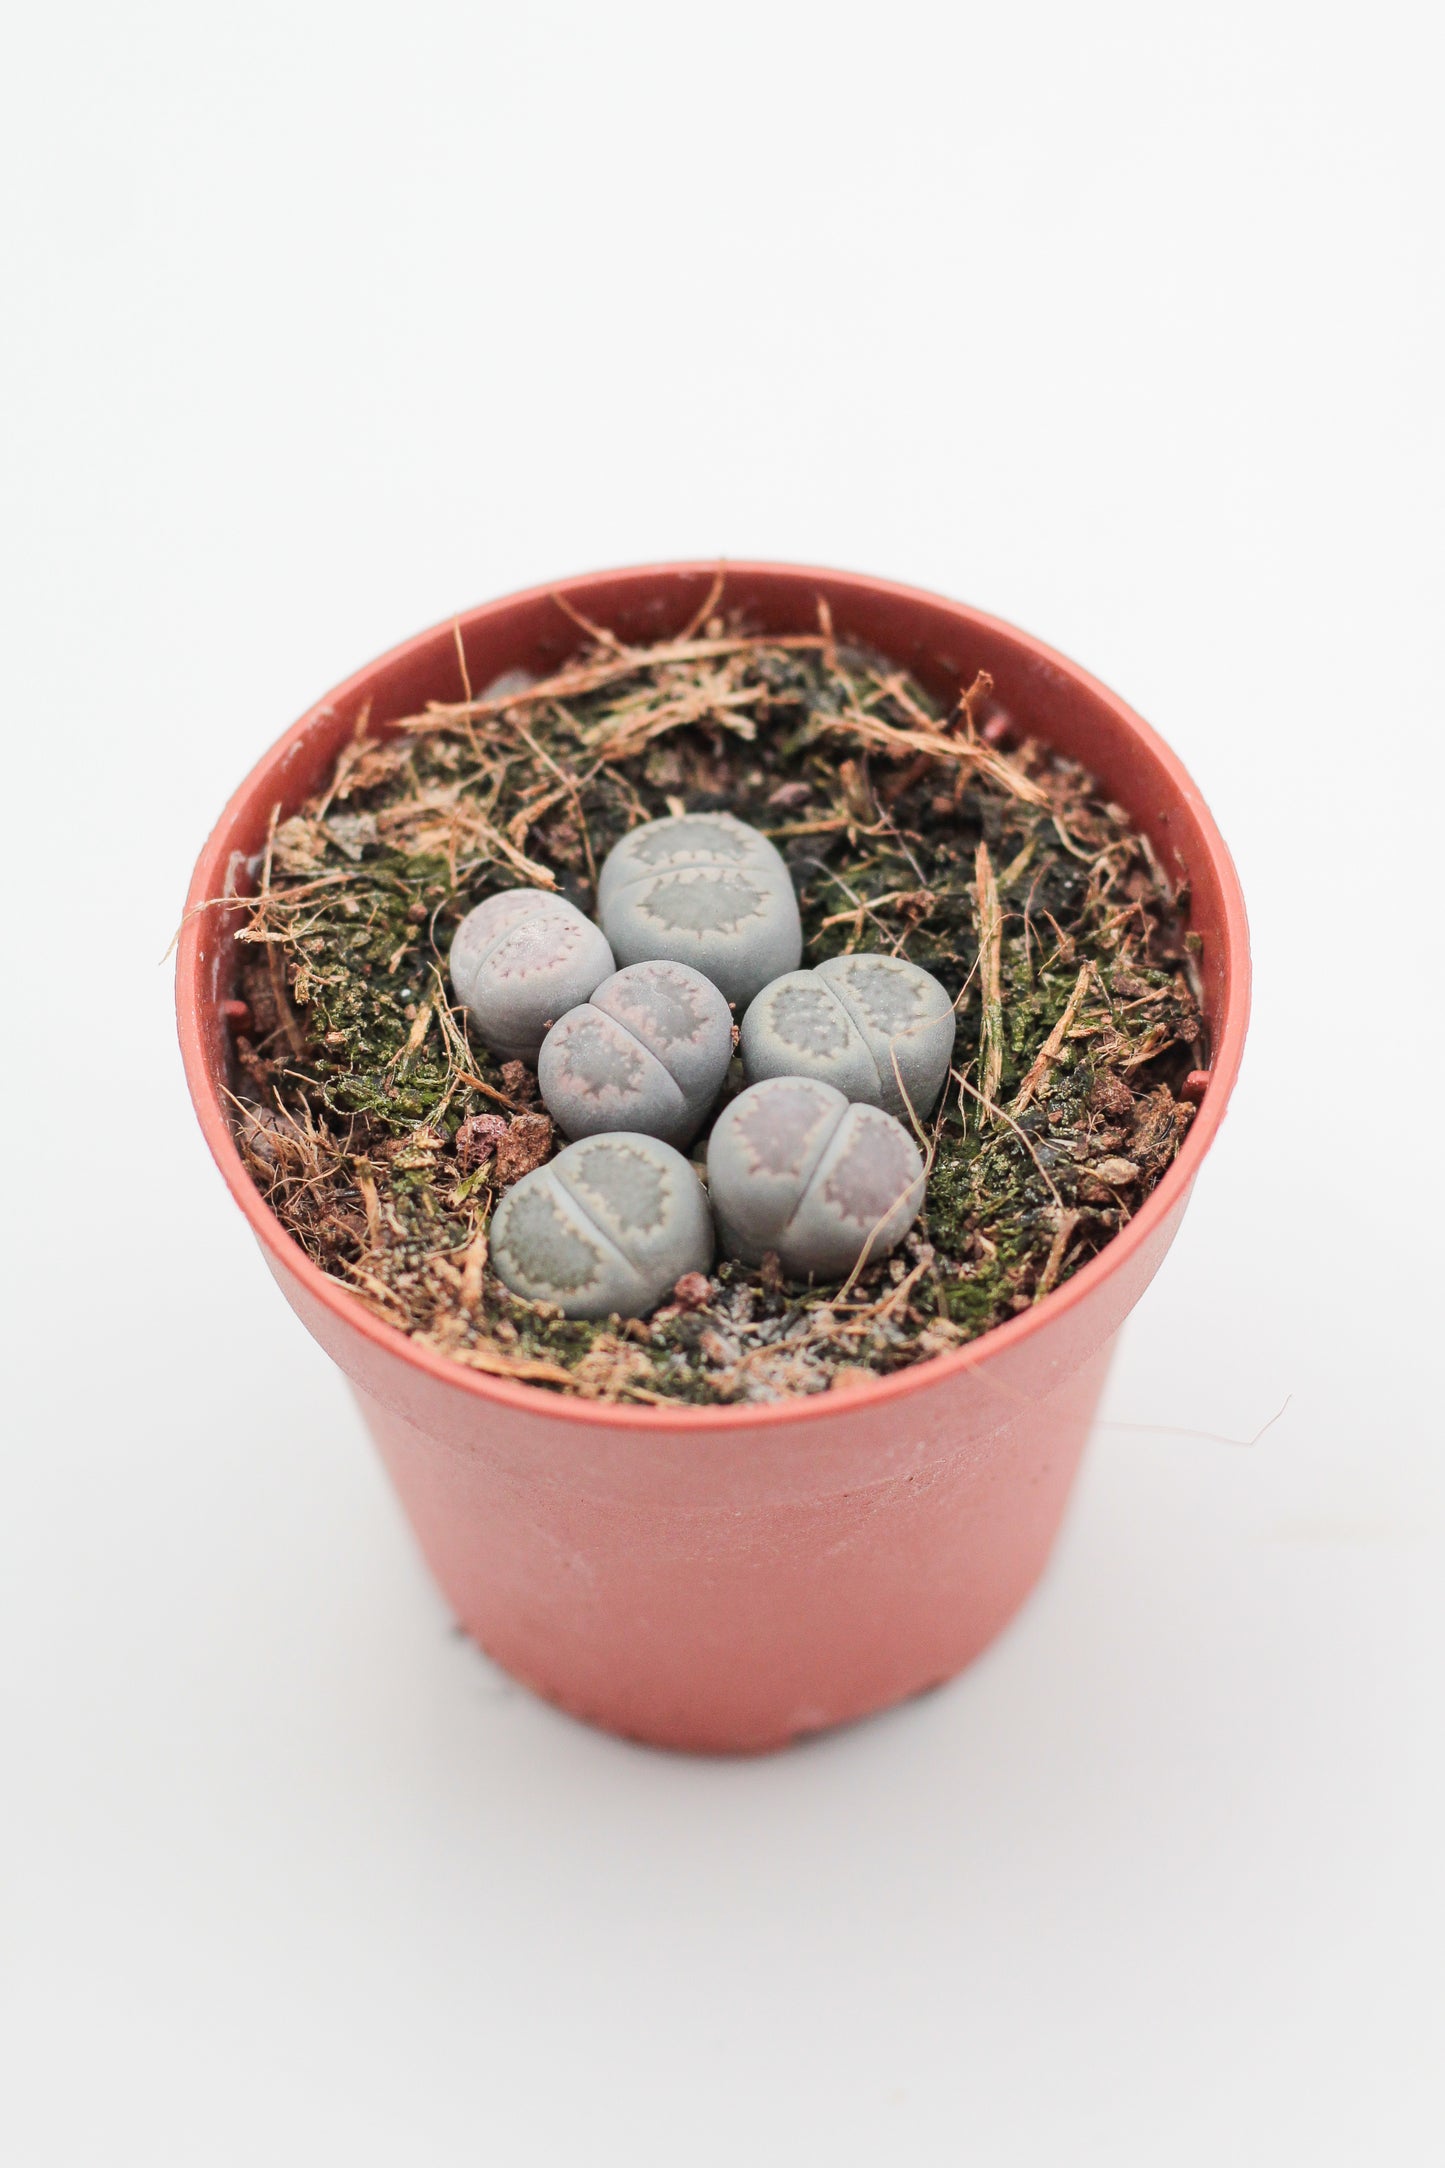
{"x":727,"y":1577}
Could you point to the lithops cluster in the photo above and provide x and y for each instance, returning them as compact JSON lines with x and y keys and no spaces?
{"x":702,"y":889}
{"x":521,"y":960}
{"x":876,"y":1027}
{"x":794,"y":1167}
{"x":609,"y":1225}
{"x":648,"y":1052}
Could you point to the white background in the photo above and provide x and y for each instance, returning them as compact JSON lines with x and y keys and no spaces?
{"x":1122,"y":321}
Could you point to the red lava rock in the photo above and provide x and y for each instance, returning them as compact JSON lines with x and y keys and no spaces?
{"x":526,"y":1144}
{"x":692,"y":1291}
{"x":477,"y":1139}
{"x":1195,"y":1085}
{"x":237,"y":1014}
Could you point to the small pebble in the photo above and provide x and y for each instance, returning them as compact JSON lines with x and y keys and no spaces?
{"x":507,"y":685}
{"x":702,"y":889}
{"x":878,"y":1028}
{"x":519,"y":961}
{"x":795,"y":1168}
{"x":648,"y":1052}
{"x":1118,"y":1173}
{"x":608,"y":1226}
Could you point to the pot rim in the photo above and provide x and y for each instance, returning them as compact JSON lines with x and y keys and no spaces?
{"x":206,"y":888}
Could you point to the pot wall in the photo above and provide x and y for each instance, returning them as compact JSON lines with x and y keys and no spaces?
{"x":727,"y":1578}
{"x":727,"y":1590}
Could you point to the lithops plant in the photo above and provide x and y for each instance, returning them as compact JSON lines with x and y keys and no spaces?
{"x":794,"y":1167}
{"x":702,"y":889}
{"x":648,"y":1052}
{"x":878,"y":1027}
{"x":610,"y":1225}
{"x":519,"y":961}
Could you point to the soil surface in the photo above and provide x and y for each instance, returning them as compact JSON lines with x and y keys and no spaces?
{"x":381,"y":1135}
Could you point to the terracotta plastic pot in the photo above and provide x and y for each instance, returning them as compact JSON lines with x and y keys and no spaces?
{"x":728,"y":1578}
